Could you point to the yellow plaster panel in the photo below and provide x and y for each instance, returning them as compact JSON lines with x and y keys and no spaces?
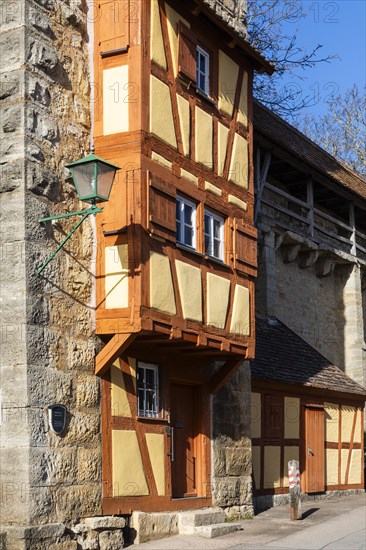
{"x":347,"y":422}
{"x":115,"y":100}
{"x":155,"y":445}
{"x":185,"y":122}
{"x":215,"y":190}
{"x":243,"y":103}
{"x":116,"y":276}
{"x":161,"y":160}
{"x":188,"y":176}
{"x":161,"y":284}
{"x":222,"y":137}
{"x":331,"y":422}
{"x":173,"y":19}
{"x":240,"y":319}
{"x":161,"y":112}
{"x":128,"y":478}
{"x":272,"y":456}
{"x":331,"y":466}
{"x":238,"y":202}
{"x":218,"y":290}
{"x":256,"y":464}
{"x":190,"y":289}
{"x":204,"y":137}
{"x":157,"y":50}
{"x":292,"y":417}
{"x":119,"y":400}
{"x":290,"y":453}
{"x":239,"y":162}
{"x":358,"y":427}
{"x":228,"y":76}
{"x":132,"y":365}
{"x":355,"y":471}
{"x":255,"y":414}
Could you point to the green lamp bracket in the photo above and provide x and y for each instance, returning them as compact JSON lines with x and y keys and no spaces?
{"x":93,"y":210}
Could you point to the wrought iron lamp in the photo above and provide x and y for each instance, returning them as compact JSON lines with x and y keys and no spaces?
{"x":93,"y":179}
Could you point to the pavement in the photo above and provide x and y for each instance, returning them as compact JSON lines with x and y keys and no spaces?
{"x":331,"y":523}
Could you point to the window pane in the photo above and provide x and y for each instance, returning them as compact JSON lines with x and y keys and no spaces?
{"x":207,"y":243}
{"x":217,"y":229}
{"x":188,"y":235}
{"x":217,"y":249}
{"x":188,"y":211}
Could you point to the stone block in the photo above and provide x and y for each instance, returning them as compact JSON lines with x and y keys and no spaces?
{"x":111,"y":540}
{"x":11,"y":118}
{"x":218,"y":530}
{"x":42,"y":56}
{"x":87,"y":391}
{"x":153,"y":526}
{"x":48,"y":386}
{"x":238,"y":461}
{"x":11,"y":85}
{"x":50,"y":466}
{"x":188,"y":521}
{"x":42,"y":182}
{"x":77,"y":501}
{"x":83,"y":429}
{"x":89,"y":464}
{"x":11,"y":47}
{"x":11,"y":175}
{"x":105,"y":522}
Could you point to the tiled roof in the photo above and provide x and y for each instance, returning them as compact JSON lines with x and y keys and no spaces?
{"x":274,"y":128}
{"x":283,"y":356}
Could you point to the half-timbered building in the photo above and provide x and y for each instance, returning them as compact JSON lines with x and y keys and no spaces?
{"x":177,"y":256}
{"x":309,"y":371}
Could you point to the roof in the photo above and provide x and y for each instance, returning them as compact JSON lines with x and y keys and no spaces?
{"x":281,"y":355}
{"x":262,"y":64}
{"x":273,"y":127}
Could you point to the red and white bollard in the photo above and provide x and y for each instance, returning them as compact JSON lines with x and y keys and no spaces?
{"x":294,"y":485}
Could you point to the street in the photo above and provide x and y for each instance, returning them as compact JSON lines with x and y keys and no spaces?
{"x":334,"y":524}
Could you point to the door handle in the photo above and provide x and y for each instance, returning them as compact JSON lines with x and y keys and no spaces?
{"x":172,"y":444}
{"x":310,"y":451}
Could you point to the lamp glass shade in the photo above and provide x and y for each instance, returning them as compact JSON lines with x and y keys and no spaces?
{"x":84,"y":177}
{"x":106,"y":175}
{"x":93,"y":178}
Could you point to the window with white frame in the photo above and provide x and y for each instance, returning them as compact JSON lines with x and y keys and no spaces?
{"x":186,"y":222}
{"x":148,"y":389}
{"x":214,"y":235}
{"x":203,"y":70}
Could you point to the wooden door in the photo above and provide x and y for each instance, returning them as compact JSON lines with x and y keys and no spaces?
{"x":314,"y":449}
{"x":183,"y":413}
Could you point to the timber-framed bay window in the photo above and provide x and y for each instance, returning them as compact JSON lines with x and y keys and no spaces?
{"x":186,"y":222}
{"x":148,"y":390}
{"x":214,"y":235}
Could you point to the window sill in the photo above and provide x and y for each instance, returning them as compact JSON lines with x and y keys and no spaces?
{"x":151,"y":419}
{"x":203,"y":256}
{"x":205,"y":97}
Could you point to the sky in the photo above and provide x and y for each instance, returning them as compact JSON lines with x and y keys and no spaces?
{"x":340,"y":27}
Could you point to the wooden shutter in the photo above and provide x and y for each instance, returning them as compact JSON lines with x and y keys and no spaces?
{"x":112,"y":19}
{"x":245,"y":247}
{"x":273,"y":417}
{"x":187,"y":53}
{"x":161,"y":207}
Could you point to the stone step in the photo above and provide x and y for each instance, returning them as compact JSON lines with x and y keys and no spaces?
{"x":191,"y":519}
{"x":216,"y":530}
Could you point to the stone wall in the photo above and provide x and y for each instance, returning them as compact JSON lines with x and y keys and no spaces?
{"x":231,"y":445}
{"x":233,"y":12}
{"x":47,"y":332}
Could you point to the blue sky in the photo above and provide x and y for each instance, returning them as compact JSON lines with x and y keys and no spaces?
{"x":340,"y":27}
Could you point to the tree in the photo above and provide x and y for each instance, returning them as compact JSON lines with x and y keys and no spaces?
{"x":342,"y":130}
{"x":266,"y":31}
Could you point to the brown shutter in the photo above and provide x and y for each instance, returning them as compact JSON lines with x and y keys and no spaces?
{"x":187,"y":53}
{"x":245,"y":247}
{"x":161,"y":208}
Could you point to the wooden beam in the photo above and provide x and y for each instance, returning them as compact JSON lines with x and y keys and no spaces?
{"x":223,"y":375}
{"x":113,"y":349}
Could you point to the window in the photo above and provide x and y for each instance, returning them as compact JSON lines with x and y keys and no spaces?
{"x":186,"y":222}
{"x":214,"y":235}
{"x":203,"y":70}
{"x":147,"y":390}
